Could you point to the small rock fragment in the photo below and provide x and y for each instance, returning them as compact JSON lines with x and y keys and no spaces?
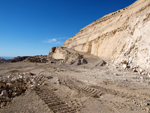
{"x":79,"y":62}
{"x":124,"y":66}
{"x":84,"y":61}
{"x":134,"y":70}
{"x":4,"y":94}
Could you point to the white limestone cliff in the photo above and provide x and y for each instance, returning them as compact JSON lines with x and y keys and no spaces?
{"x":122,"y":37}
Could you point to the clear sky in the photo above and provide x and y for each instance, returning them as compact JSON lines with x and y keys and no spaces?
{"x":32,"y":27}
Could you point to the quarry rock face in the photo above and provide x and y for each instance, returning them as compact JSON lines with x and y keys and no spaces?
{"x":123,"y":35}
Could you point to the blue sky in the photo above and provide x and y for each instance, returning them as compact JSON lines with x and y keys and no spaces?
{"x":32,"y":27}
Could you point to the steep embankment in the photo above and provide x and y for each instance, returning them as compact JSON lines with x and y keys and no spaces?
{"x":120,"y":36}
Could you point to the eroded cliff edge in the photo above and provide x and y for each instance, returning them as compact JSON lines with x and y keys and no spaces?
{"x":122,"y":36}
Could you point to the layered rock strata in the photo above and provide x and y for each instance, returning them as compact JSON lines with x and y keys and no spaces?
{"x":121,"y":36}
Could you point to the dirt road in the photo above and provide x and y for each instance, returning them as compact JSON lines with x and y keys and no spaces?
{"x":80,"y":89}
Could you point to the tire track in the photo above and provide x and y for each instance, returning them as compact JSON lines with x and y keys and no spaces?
{"x":137,"y":98}
{"x":98,"y":91}
{"x":79,"y":86}
{"x":53,"y":101}
{"x":92,"y":91}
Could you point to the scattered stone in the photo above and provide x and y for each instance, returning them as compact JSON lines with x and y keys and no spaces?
{"x":49,"y":77}
{"x":101,"y":63}
{"x":134,"y":70}
{"x":124,"y":66}
{"x":36,"y":59}
{"x":72,"y":62}
{"x":142,"y":79}
{"x":16,"y":84}
{"x":117,"y":67}
{"x":3,"y":94}
{"x":79,"y":62}
{"x":144,"y":73}
{"x":147,"y":109}
{"x":124,"y":62}
{"x":141,"y":71}
{"x":117,"y":74}
{"x":84,"y":61}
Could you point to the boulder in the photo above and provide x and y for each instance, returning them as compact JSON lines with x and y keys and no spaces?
{"x":57,"y":53}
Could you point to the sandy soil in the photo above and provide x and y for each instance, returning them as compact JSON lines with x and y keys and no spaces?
{"x":87,"y":88}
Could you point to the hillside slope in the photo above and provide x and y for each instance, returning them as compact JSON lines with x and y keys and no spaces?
{"x":121,"y":36}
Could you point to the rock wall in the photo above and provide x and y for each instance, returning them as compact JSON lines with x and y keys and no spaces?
{"x":123,"y":35}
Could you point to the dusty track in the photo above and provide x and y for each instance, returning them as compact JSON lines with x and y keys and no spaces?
{"x":80,"y":89}
{"x":139,"y":99}
{"x":53,"y":101}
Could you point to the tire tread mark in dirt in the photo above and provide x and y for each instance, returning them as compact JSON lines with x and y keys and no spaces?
{"x":92,"y":91}
{"x":130,"y":96}
{"x":97,"y":91}
{"x":53,"y":101}
{"x":85,"y":89}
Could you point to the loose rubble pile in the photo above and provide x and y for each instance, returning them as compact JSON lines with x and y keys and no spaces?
{"x":18,"y":59}
{"x":62,"y":55}
{"x":136,"y":69}
{"x":15,"y":84}
{"x":73,"y":58}
{"x":40,"y":59}
{"x":36,"y":59}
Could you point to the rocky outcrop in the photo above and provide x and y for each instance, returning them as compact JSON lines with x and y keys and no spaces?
{"x":58,"y":53}
{"x":120,"y":36}
{"x":62,"y":55}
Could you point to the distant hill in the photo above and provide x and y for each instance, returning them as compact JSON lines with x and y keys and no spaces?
{"x":6,"y":57}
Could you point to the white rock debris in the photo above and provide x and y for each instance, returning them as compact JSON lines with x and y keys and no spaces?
{"x":15,"y":84}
